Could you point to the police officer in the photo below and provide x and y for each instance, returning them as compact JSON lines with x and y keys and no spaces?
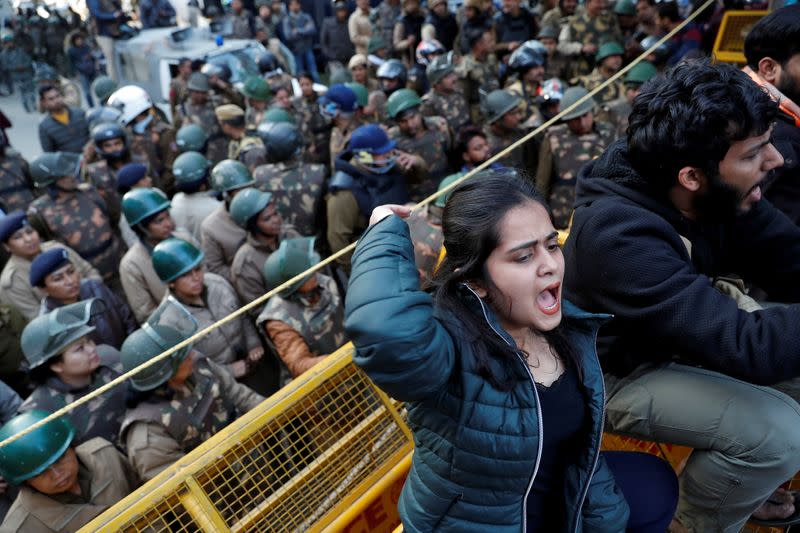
{"x":609,"y":61}
{"x":427,"y":138}
{"x":18,"y":66}
{"x":75,"y":214}
{"x":306,"y":321}
{"x":315,"y":129}
{"x":616,"y":112}
{"x":199,"y":109}
{"x":178,"y":91}
{"x":147,"y":212}
{"x":566,"y":148}
{"x":22,"y":241}
{"x":152,"y":141}
{"x":209,"y":298}
{"x":16,"y":184}
{"x":297,"y":187}
{"x":445,"y":98}
{"x":243,"y":145}
{"x":191,"y":138}
{"x":503,"y":118}
{"x":111,"y":144}
{"x":65,"y":364}
{"x":63,"y":484}
{"x":370,"y":173}
{"x":220,"y":236}
{"x":477,"y":70}
{"x":257,"y":94}
{"x":528,"y":62}
{"x":183,"y":400}
{"x":193,"y":202}
{"x":585,"y":31}
{"x":102,"y":87}
{"x":339,"y":105}
{"x":392,"y":75}
{"x":219,"y":78}
{"x":256,"y":212}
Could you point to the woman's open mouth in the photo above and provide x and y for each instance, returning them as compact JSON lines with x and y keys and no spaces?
{"x":549,"y":300}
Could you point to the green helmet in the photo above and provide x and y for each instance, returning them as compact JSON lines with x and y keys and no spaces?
{"x":640,"y":73}
{"x":440,"y":200}
{"x":190,"y":167}
{"x":497,"y":103}
{"x":191,"y":137}
{"x":438,"y":69}
{"x":51,"y":166}
{"x":48,"y":335}
{"x":248,"y":204}
{"x":290,"y":259}
{"x":172,"y":258}
{"x":607,"y":50}
{"x":229,"y":175}
{"x":362,"y":95}
{"x":198,"y":82}
{"x":32,"y":454}
{"x":572,"y":95}
{"x":276,"y":114}
{"x":139,"y":204}
{"x":402,"y":100}
{"x":625,"y":7}
{"x":282,"y":141}
{"x":103,"y":87}
{"x":256,"y":88}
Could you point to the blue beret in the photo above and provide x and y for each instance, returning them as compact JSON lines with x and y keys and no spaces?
{"x":343,"y":96}
{"x":46,"y":263}
{"x":11,"y":223}
{"x":130,"y":174}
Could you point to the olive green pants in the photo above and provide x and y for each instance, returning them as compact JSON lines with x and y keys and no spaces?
{"x":746,"y":438}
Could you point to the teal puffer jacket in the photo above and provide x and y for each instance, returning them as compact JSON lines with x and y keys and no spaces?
{"x":477,"y":448}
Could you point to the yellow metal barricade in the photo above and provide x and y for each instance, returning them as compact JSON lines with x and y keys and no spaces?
{"x":328,"y":452}
{"x":729,"y":44}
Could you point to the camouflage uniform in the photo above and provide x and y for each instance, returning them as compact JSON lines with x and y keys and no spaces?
{"x":105,"y":477}
{"x":584,"y":29}
{"x":81,"y":221}
{"x":595,"y":79}
{"x":171,"y":423}
{"x":386,"y":16}
{"x":245,"y":148}
{"x":432,"y":147}
{"x":298,"y":192}
{"x":253,"y":117}
{"x":157,"y":149}
{"x":228,"y":95}
{"x":15,"y":285}
{"x":220,"y":238}
{"x":101,"y":417}
{"x":532,"y":117}
{"x":16,"y":186}
{"x":425,"y":227}
{"x":204,"y":117}
{"x":560,"y":66}
{"x":319,"y":324}
{"x":615,"y":114}
{"x":104,"y":179}
{"x":453,"y":107}
{"x":561,"y":158}
{"x":12,"y":324}
{"x":377,"y":99}
{"x":477,"y":76}
{"x":178,"y":94}
{"x":523,"y":158}
{"x":316,"y":131}
{"x":246,"y":269}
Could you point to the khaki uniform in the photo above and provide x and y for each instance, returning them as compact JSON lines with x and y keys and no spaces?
{"x":532,"y":117}
{"x":305,"y":328}
{"x":360,"y":29}
{"x":477,"y":76}
{"x":231,"y":341}
{"x":156,"y":148}
{"x":220,"y":238}
{"x":432,"y":147}
{"x":523,"y":158}
{"x":105,"y":477}
{"x":339,"y":139}
{"x":190,"y":210}
{"x":160,"y":431}
{"x":247,"y":266}
{"x":595,"y":79}
{"x":16,"y":185}
{"x":297,"y":192}
{"x":143,"y":288}
{"x":15,"y":286}
{"x":103,"y":178}
{"x":561,"y":157}
{"x":203,"y":116}
{"x":345,"y":223}
{"x":425,"y":227}
{"x":453,"y":107}
{"x":584,"y":29}
{"x":81,"y":221}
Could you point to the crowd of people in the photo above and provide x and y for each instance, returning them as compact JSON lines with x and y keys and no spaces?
{"x":142,"y":222}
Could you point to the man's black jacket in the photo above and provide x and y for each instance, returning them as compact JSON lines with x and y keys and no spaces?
{"x":625,"y":256}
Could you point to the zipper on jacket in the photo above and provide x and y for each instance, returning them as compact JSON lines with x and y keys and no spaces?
{"x":538,"y":412}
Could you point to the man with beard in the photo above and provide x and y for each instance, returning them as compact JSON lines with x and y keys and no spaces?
{"x":659,"y":218}
{"x":772,"y":49}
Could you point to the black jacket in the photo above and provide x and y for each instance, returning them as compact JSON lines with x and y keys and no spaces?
{"x":57,"y":137}
{"x":783,"y":190}
{"x":625,"y":256}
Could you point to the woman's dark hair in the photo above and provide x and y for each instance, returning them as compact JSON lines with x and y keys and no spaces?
{"x":471,"y":227}
{"x":690,"y":117}
{"x":138,"y":228}
{"x":305,"y":74}
{"x":43,"y":372}
{"x":669,"y":10}
{"x":777,"y":36}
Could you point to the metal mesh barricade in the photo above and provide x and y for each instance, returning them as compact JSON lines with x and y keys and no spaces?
{"x":296,"y":462}
{"x":729,"y":44}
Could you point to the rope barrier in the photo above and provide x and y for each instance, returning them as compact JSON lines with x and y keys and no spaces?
{"x":333,"y":257}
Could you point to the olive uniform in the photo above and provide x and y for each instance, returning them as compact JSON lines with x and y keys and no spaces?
{"x":178,"y":94}
{"x":583,"y":29}
{"x":220,"y":239}
{"x":595,"y":79}
{"x":433,"y":148}
{"x":16,"y":185}
{"x":477,"y":76}
{"x":561,"y":157}
{"x":204,"y":116}
{"x":297,"y":192}
{"x":453,"y":107}
{"x":523,"y":158}
{"x":616,"y":113}
{"x":171,"y":423}
{"x":316,"y":131}
{"x":532,"y":117}
{"x":103,"y":178}
{"x":156,"y":148}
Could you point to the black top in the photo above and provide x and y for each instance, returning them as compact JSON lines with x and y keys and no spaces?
{"x":564,"y":419}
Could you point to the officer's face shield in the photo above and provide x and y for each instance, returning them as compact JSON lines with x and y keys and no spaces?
{"x":170,"y":324}
{"x":376,"y":163}
{"x":49,"y":335}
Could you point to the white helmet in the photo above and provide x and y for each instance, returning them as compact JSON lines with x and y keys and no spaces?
{"x":131,"y":100}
